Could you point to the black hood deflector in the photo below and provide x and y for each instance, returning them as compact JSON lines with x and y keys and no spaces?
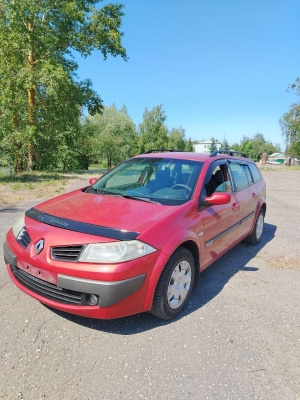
{"x":81,"y":227}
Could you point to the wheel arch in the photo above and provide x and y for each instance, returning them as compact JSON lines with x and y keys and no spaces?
{"x":250,"y":239}
{"x":188,"y":244}
{"x":171,"y":294}
{"x":264,"y":208}
{"x":194,"y":250}
{"x":260,"y":206}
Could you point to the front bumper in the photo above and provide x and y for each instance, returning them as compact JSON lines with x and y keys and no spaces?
{"x":71,"y":293}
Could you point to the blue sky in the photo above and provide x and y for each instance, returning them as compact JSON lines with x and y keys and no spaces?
{"x":218,"y":67}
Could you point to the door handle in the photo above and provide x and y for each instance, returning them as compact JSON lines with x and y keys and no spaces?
{"x":254,"y":195}
{"x":235,"y":206}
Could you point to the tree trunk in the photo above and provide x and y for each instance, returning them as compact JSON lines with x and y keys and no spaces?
{"x":31,"y":104}
{"x":31,"y":100}
{"x":18,"y":164}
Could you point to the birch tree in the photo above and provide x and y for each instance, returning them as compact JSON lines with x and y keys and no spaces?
{"x":41,"y":97}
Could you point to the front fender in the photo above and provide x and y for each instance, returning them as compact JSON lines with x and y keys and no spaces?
{"x":172,"y":244}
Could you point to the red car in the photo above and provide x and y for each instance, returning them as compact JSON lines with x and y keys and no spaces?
{"x":137,"y":239}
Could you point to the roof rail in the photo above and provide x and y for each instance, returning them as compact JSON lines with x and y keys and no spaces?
{"x":229,"y":152}
{"x":161,"y":150}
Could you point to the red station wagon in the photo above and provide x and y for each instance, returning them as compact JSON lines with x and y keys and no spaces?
{"x":137,"y":239}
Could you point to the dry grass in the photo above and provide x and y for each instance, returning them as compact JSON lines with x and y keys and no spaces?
{"x":277,"y":168}
{"x":282,"y":262}
{"x":36,"y":185}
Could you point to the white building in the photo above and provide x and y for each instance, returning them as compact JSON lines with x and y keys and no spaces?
{"x":204,"y":146}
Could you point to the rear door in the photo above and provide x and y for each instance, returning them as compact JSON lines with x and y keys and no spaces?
{"x":246,"y":195}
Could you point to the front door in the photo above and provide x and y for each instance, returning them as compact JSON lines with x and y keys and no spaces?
{"x":220,"y":222}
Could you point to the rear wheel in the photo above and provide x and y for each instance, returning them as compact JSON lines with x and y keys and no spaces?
{"x":175,"y":285}
{"x":257,"y":232}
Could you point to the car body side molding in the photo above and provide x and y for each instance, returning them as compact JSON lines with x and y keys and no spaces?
{"x":217,"y":237}
{"x":245,"y":218}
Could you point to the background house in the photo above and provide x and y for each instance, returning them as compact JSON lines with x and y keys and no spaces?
{"x":204,"y":145}
{"x":276,"y":158}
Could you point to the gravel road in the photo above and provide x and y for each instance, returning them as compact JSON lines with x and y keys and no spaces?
{"x":239,"y":338}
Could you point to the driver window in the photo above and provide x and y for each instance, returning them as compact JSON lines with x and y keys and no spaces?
{"x":219,"y":181}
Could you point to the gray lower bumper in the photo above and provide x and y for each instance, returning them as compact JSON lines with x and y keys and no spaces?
{"x":9,"y":256}
{"x":109,"y":292}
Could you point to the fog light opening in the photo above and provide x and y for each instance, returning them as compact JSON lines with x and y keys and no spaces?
{"x":92,"y":299}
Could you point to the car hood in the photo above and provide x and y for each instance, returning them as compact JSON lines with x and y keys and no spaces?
{"x":105,"y":210}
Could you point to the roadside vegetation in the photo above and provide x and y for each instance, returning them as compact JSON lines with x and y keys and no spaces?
{"x":278,"y":168}
{"x":51,"y":122}
{"x":36,"y":185}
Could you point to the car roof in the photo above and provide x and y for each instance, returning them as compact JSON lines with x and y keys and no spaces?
{"x":184,"y":155}
{"x":181,"y":155}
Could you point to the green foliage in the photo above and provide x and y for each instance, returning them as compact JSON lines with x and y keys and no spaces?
{"x":153,"y":134}
{"x":256,"y":146}
{"x":225,"y":145}
{"x":41,"y":99}
{"x":290,"y":125}
{"x":113,"y":135}
{"x":213,"y":146}
{"x":189,"y":145}
{"x":176,"y":139}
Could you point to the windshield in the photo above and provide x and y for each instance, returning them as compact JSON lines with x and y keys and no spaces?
{"x":158,"y":180}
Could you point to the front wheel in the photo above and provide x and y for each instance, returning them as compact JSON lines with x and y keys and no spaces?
{"x":175,"y":285}
{"x":257,"y":232}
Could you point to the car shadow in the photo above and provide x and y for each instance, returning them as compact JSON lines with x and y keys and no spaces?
{"x":212,"y":281}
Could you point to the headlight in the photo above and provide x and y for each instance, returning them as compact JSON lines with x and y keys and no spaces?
{"x":18,"y":225}
{"x":115,"y":251}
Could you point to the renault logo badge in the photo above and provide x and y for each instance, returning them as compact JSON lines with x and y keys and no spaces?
{"x":39,"y":246}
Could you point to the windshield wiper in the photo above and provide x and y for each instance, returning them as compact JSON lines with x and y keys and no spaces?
{"x":104,"y":192}
{"x":101,"y":191}
{"x":128,"y":196}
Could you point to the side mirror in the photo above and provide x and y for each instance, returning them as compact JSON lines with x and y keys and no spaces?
{"x":218,"y":198}
{"x":92,"y":180}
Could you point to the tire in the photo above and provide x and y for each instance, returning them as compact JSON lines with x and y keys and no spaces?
{"x":174,"y":286}
{"x":256,"y":234}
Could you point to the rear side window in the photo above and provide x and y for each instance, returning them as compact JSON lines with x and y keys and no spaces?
{"x":255,"y":172}
{"x":241,"y":175}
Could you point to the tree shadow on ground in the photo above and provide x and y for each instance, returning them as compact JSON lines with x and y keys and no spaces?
{"x":212,"y":282}
{"x":19,"y":207}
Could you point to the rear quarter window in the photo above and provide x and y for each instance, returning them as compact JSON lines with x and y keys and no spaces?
{"x":255,"y":172}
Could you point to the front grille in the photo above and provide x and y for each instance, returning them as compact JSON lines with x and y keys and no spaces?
{"x":66,"y":253}
{"x":46,"y":289}
{"x":23,"y":238}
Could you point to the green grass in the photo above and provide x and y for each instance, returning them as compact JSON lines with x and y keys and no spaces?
{"x":30,"y":177}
